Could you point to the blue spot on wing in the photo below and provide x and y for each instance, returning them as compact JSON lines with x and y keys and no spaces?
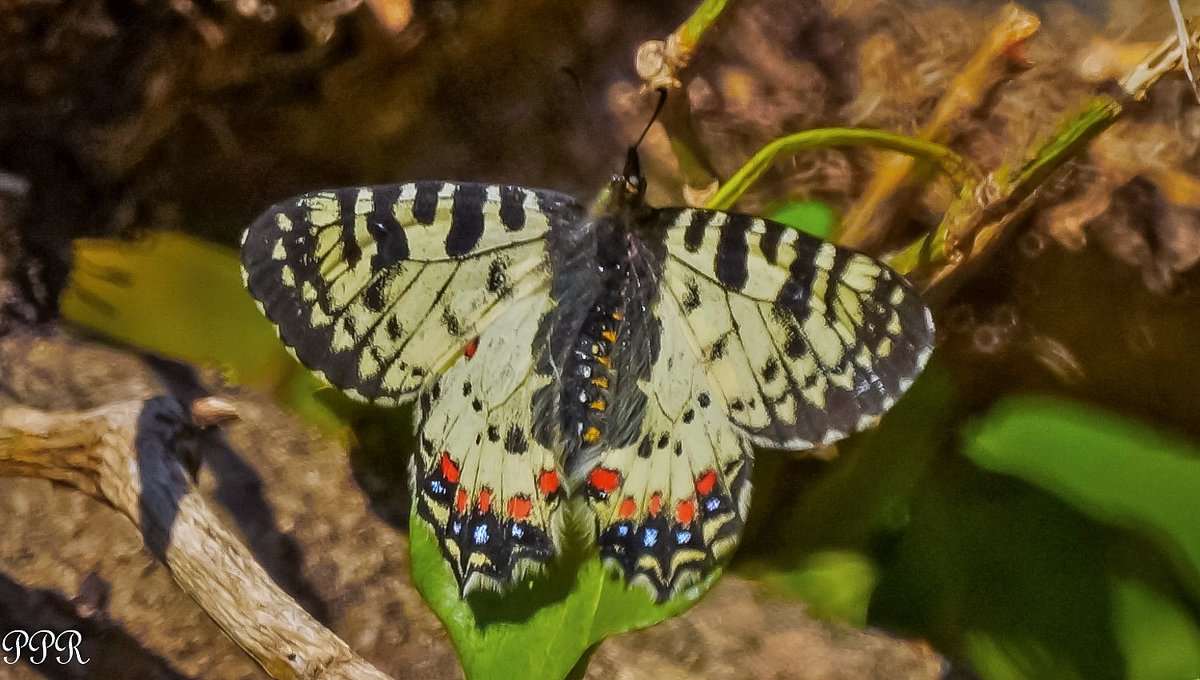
{"x":649,"y":537}
{"x":481,"y":534}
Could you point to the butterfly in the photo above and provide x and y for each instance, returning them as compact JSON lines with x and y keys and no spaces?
{"x":614,"y":362}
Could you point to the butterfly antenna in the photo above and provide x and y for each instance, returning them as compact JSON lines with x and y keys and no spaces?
{"x":662,"y":99}
{"x":633,"y":165}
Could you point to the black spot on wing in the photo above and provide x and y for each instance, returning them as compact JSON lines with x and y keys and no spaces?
{"x":373,"y":295}
{"x":351,"y":250}
{"x":769,"y":242}
{"x":391,"y":243}
{"x":515,"y":441}
{"x":691,"y":297}
{"x":512,"y":207}
{"x":694,"y":235}
{"x":497,"y":280}
{"x":645,"y":447}
{"x":732,"y":253}
{"x":424,"y":206}
{"x":466,"y":220}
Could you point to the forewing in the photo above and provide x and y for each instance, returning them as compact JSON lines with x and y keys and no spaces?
{"x":482,"y":481}
{"x":805,"y":341}
{"x":672,"y":504}
{"x":377,"y":289}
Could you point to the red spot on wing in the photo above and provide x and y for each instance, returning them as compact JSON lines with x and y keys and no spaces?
{"x":485,"y":499}
{"x":685,"y":511}
{"x":449,"y":468}
{"x":519,"y":506}
{"x":548,"y":482}
{"x":655,"y":504}
{"x":604,"y":479}
{"x":627,"y":508}
{"x":706,"y":482}
{"x":460,"y":501}
{"x":471,"y":348}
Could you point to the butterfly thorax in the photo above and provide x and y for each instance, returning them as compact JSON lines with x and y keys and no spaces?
{"x":606,"y":278}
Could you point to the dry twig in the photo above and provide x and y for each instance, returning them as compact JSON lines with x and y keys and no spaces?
{"x":128,"y":455}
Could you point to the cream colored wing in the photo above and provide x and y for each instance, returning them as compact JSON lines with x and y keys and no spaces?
{"x":804,"y":341}
{"x":672,"y":504}
{"x":482,"y":480}
{"x":377,"y":289}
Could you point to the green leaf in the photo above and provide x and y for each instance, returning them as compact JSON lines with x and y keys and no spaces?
{"x":1001,"y":575}
{"x":543,"y":627}
{"x":183,"y":298}
{"x":1115,"y":470}
{"x":835,"y":584}
{"x":867,"y":489}
{"x":811,"y":217}
{"x":813,"y":539}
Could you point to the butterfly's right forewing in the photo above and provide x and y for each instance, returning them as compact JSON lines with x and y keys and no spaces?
{"x":378,"y":289}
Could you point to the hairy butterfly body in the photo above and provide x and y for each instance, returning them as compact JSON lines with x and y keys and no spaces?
{"x":622,"y":358}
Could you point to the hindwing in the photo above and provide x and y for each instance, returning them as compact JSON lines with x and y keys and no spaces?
{"x":805,"y":342}
{"x":672,"y":503}
{"x":378,"y":289}
{"x":482,"y":481}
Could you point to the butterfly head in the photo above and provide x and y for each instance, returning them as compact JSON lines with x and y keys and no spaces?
{"x":627,"y":191}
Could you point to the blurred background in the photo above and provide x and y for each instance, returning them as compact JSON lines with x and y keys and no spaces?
{"x":1029,"y":511}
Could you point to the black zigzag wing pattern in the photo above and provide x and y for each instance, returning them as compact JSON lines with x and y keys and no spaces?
{"x":378,"y":289}
{"x":805,"y":341}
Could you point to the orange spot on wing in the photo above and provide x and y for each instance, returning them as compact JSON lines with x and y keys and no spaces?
{"x":604,"y":479}
{"x":519,"y":507}
{"x":655,"y":504}
{"x":627,"y":508}
{"x":618,"y":316}
{"x":449,"y":469}
{"x":706,"y":482}
{"x":605,"y":361}
{"x":485,"y":499}
{"x":460,"y":501}
{"x":598,"y":405}
{"x":685,"y":511}
{"x":610,"y":336}
{"x":548,"y":482}
{"x":471,"y":348}
{"x":601,"y":382}
{"x":591,"y":434}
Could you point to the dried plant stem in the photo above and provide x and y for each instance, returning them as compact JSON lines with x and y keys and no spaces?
{"x":974,"y":227}
{"x":127,"y":455}
{"x":866,"y":222}
{"x":659,"y":62}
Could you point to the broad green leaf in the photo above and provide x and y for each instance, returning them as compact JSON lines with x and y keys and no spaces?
{"x":1002,"y":576}
{"x":811,"y":217}
{"x":177,"y":295}
{"x":866,"y":490}
{"x":815,"y":542}
{"x":1155,"y":626}
{"x":183,"y":298}
{"x":541,"y":629}
{"x":1117,"y":471}
{"x":835,"y":584}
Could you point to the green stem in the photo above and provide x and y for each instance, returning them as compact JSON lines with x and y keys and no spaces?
{"x":955,"y":167}
{"x":1012,"y":184}
{"x":692,"y":30}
